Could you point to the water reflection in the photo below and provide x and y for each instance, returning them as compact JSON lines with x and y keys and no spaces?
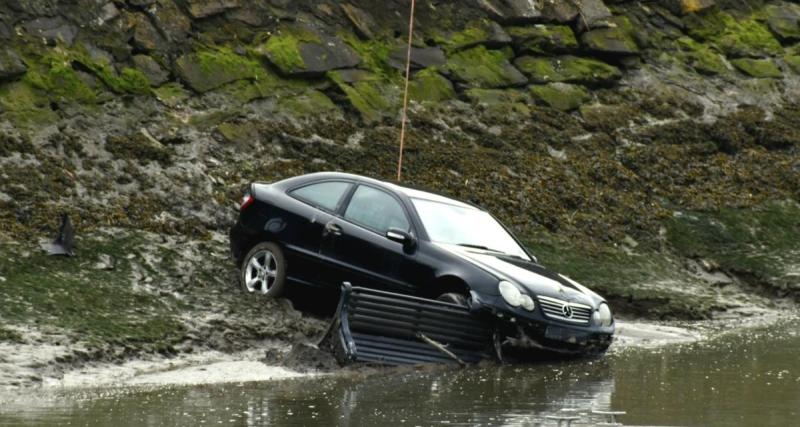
{"x":751,"y":379}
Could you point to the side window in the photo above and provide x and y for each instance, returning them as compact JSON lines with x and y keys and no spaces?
{"x":325,"y":195}
{"x":376,"y":209}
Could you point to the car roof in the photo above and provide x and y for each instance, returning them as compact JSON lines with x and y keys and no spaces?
{"x":412,"y":193}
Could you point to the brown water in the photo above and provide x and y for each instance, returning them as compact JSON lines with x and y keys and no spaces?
{"x":749,"y":378}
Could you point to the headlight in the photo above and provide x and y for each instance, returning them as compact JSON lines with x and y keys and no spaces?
{"x":602,"y":316}
{"x":527,"y":303}
{"x":510,"y":293}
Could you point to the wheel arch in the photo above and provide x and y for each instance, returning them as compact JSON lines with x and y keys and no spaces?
{"x":447,"y":283}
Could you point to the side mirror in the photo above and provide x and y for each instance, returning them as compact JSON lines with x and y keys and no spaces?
{"x":403,"y":237}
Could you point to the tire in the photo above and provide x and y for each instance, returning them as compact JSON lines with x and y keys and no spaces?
{"x":454,"y":298}
{"x":263,"y":271}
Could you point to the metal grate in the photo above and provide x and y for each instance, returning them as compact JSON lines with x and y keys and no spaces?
{"x":565,"y":311}
{"x":382,"y":327}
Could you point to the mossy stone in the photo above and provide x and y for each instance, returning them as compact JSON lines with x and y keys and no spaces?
{"x":308,"y":104}
{"x":701,"y":57}
{"x":760,"y":68}
{"x":793,"y":61}
{"x":561,"y":96}
{"x":374,"y":98}
{"x":478,"y":32}
{"x":501,"y":101}
{"x":570,"y":69}
{"x":243,"y":134}
{"x":542,"y":39}
{"x":209,"y":69}
{"x":430,"y":86}
{"x":25,"y":105}
{"x":11,"y":65}
{"x":736,"y":38}
{"x":300,"y":51}
{"x":484,"y":68}
{"x":784,"y":20}
{"x":171,"y":94}
{"x":616,"y":40}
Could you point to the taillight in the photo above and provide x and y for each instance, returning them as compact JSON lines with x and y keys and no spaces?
{"x":247,"y":200}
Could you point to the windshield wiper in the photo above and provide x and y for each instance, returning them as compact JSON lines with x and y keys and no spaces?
{"x":470,"y":245}
{"x":484,"y":248}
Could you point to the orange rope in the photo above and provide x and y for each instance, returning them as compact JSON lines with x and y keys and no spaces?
{"x":405,"y":92}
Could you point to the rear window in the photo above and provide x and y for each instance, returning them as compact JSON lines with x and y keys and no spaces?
{"x":324,"y":195}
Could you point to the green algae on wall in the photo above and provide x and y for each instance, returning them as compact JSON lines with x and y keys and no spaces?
{"x":571,"y":69}
{"x":760,"y":68}
{"x":737,"y":38}
{"x":430,"y":86}
{"x":283,"y":48}
{"x":484,"y":68}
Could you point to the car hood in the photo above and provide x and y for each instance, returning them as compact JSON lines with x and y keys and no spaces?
{"x":532,"y":276}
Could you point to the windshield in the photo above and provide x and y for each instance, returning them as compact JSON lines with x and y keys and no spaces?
{"x":465,"y":226}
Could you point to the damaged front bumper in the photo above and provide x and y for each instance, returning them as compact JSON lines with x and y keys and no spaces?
{"x":519,"y":333}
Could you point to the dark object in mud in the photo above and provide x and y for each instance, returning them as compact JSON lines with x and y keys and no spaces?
{"x":323,"y":229}
{"x":393,"y":329}
{"x":65,"y":239}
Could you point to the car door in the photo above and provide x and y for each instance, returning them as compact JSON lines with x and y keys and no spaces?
{"x":315,"y":204}
{"x":356,"y":247}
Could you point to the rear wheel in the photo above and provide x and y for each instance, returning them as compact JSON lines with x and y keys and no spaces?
{"x":263,"y":271}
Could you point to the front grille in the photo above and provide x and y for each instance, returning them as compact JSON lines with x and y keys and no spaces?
{"x":558,"y":309}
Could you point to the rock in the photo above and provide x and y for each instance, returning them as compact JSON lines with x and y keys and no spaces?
{"x":351,"y":75}
{"x":145,"y":36}
{"x":373,"y":98}
{"x":5,"y":31}
{"x":34,"y":7}
{"x":702,"y":58}
{"x":52,"y":29}
{"x":735,"y":37}
{"x":793,"y":61}
{"x":784,"y":21}
{"x":151,"y":69}
{"x":616,"y":40}
{"x":11,"y":65}
{"x":684,"y":7}
{"x":561,"y":96}
{"x":204,"y":8}
{"x":141,"y":3}
{"x":108,"y":13}
{"x":312,"y":103}
{"x":513,"y":10}
{"x":482,"y":68}
{"x":421,"y":57}
{"x":562,"y":12}
{"x":430,"y":86}
{"x":593,"y":14}
{"x":300,"y":51}
{"x":542,"y":39}
{"x":242,"y":134}
{"x":361,"y":20}
{"x":171,"y":21}
{"x":207,"y":70}
{"x":570,"y":69}
{"x":760,"y":68}
{"x":496,"y":96}
{"x":249,"y":16}
{"x":479,"y":32}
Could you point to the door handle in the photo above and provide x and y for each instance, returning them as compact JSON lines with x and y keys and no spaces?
{"x":333,"y":228}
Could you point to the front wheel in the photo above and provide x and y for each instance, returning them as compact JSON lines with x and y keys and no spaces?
{"x":454,"y":298}
{"x":263,"y":271}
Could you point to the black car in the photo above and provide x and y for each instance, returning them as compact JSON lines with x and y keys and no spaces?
{"x":324,"y":229}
